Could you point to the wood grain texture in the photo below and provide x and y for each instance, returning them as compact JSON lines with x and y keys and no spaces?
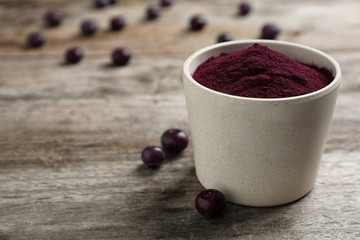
{"x":71,"y":136}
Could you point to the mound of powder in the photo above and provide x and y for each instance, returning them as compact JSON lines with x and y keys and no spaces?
{"x":260,"y":72}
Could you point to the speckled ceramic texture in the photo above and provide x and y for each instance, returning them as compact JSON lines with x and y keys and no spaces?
{"x":259,"y":152}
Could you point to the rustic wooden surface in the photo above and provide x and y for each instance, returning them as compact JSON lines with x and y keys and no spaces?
{"x":71,"y":136}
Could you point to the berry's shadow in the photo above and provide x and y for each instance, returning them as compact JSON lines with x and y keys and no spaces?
{"x":66,"y":64}
{"x":261,"y":37}
{"x":93,"y":8}
{"x":173,"y":157}
{"x":81,"y":36}
{"x":110,"y":65}
{"x":145,"y":20}
{"x":110,"y":31}
{"x":49,"y":27}
{"x":189,"y":31}
{"x":239,"y":16}
{"x":144,"y":171}
{"x":25,"y":47}
{"x":264,"y":38}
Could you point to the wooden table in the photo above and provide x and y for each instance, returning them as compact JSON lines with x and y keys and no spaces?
{"x":71,"y":136}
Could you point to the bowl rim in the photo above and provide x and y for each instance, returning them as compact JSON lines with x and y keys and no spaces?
{"x":312,"y":95}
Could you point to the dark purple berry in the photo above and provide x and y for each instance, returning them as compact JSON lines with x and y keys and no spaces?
{"x":117,"y":23}
{"x":153,"y":156}
{"x":53,"y":18}
{"x":225,"y":37}
{"x":244,"y":8}
{"x":100,"y":3}
{"x":174,"y":141}
{"x":166,"y":3}
{"x":112,"y":2}
{"x":270,"y":31}
{"x":197,"y":22}
{"x":73,"y":55}
{"x":210,"y":202}
{"x":35,"y":39}
{"x":152,"y":12}
{"x":121,"y":56}
{"x":88,"y":27}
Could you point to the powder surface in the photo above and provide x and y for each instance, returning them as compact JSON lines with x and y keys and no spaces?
{"x":260,"y":72}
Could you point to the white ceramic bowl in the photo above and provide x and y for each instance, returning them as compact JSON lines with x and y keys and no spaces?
{"x":257,"y":151}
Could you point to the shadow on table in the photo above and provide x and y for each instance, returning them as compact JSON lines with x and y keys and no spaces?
{"x":167,"y":211}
